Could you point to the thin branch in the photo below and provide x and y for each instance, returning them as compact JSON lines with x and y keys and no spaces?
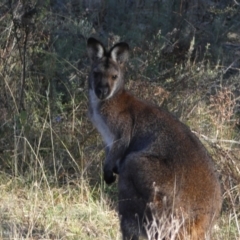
{"x":236,"y":2}
{"x":231,"y":66}
{"x":216,"y":140}
{"x":23,"y":80}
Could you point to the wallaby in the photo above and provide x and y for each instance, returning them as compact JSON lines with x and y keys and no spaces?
{"x":158,"y":159}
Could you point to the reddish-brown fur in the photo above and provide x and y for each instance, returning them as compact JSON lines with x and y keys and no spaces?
{"x":158,"y":159}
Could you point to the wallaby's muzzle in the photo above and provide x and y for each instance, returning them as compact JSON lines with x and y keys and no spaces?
{"x":102,"y":91}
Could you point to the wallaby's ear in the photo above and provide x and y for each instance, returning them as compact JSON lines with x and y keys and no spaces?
{"x":119,"y":52}
{"x":95,"y":48}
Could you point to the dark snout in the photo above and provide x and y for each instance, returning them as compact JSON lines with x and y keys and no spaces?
{"x":102,"y":91}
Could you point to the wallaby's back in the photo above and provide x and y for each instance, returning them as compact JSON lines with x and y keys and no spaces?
{"x":158,"y":159}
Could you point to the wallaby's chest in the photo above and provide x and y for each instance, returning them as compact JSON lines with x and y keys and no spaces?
{"x":98,"y":120}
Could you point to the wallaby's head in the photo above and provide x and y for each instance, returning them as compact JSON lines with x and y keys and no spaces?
{"x":106,"y":77}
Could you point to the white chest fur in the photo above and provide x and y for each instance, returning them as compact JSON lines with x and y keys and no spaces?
{"x":98,"y":121}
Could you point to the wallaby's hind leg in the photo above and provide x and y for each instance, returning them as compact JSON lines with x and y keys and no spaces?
{"x":196,"y":229}
{"x":129,"y":214}
{"x":136,"y":190}
{"x":129,"y":225}
{"x":200,"y":228}
{"x":127,"y":230}
{"x":131,"y":207}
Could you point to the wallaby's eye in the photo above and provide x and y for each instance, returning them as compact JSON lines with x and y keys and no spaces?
{"x":114,"y":77}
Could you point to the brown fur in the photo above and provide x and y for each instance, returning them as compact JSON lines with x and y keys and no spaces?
{"x":157,"y":157}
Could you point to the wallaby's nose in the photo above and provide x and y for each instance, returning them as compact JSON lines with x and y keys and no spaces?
{"x":102,"y":92}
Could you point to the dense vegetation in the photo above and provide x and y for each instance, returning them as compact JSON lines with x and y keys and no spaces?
{"x":185,"y":55}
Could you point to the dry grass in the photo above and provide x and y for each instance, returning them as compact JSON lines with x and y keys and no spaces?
{"x":37,"y":211}
{"x":71,"y":201}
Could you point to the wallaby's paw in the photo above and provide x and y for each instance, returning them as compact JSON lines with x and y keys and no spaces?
{"x":116,"y":170}
{"x":109,"y":177}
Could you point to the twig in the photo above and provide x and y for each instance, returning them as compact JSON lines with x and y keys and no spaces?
{"x":236,"y":2}
{"x":216,"y":140}
{"x":229,"y":44}
{"x":231,"y":65}
{"x":21,"y":105}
